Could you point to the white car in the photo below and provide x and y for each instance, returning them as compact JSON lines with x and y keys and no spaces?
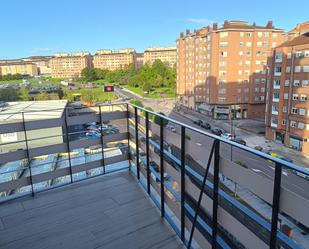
{"x":227,"y":136}
{"x":172,"y":128}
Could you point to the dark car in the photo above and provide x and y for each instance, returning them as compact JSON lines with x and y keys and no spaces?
{"x":239,"y":141}
{"x":198,"y":122}
{"x":216,"y":131}
{"x":206,"y":126}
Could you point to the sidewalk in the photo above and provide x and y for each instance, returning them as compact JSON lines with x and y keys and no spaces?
{"x":252,"y":138}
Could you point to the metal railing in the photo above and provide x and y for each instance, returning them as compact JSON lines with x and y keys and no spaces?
{"x":274,"y":238}
{"x":200,"y":208}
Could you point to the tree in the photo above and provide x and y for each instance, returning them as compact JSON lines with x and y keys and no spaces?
{"x":136,"y":102}
{"x":88,"y":74}
{"x":9,"y":94}
{"x":42,"y":96}
{"x":24,"y":94}
{"x":157,"y":119}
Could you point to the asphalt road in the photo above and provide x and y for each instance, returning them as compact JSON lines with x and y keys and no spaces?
{"x":260,"y":166}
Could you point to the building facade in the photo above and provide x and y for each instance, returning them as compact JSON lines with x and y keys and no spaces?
{"x":23,"y":68}
{"x":165,"y":54}
{"x":69,"y":65}
{"x":114,"y":59}
{"x":287,"y":105}
{"x":221,"y":71}
{"x":42,"y":63}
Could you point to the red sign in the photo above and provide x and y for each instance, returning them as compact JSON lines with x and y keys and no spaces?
{"x":108,"y":88}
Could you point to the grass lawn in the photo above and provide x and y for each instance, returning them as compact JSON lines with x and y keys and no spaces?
{"x":165,"y":92}
{"x":95,"y":94}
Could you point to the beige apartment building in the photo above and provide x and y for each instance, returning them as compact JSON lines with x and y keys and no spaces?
{"x":114,"y":59}
{"x":69,"y":65}
{"x":221,"y":71}
{"x":18,"y":67}
{"x":42,"y":63}
{"x":287,"y":105}
{"x":165,"y":54}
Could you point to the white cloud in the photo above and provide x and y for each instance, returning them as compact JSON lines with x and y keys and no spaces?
{"x":41,"y":50}
{"x":201,"y":21}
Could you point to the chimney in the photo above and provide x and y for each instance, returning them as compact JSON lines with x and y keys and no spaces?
{"x":225,"y":23}
{"x":269,"y":25}
{"x":254,"y":24}
{"x":215,"y":26}
{"x":181,"y":34}
{"x":187,"y":31}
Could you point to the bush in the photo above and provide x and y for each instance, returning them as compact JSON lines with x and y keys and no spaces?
{"x":157,"y":119}
{"x":136,"y":102}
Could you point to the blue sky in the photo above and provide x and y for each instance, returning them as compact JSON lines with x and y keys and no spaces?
{"x":42,"y":27}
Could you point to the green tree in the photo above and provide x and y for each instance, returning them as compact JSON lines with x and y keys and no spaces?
{"x":9,"y":95}
{"x":88,"y":74}
{"x":42,"y":96}
{"x":24,"y":94}
{"x":136,"y":102}
{"x":157,"y":119}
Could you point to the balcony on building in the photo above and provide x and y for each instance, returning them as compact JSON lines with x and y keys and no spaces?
{"x":116,"y":176}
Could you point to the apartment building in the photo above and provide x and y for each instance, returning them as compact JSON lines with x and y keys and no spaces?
{"x":114,"y":59}
{"x":19,"y":67}
{"x":287,"y":105}
{"x":165,"y":54}
{"x":42,"y":63}
{"x":69,"y":65}
{"x":221,"y":71}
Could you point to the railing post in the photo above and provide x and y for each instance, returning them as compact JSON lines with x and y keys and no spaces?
{"x":128,"y":131}
{"x":147,"y":151}
{"x":162,"y":167}
{"x":68,"y":142}
{"x":27,"y":152}
{"x":182,"y":180}
{"x":102,"y":142}
{"x":215,"y":195}
{"x":275,"y":206}
{"x":136,"y":142}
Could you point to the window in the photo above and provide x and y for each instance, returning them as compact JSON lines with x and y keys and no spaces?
{"x":278,"y":70}
{"x":257,"y":90}
{"x":241,"y":44}
{"x":278,"y":57}
{"x":259,"y":44}
{"x":239,"y":72}
{"x":283,"y":121}
{"x":248,"y":44}
{"x":241,"y":53}
{"x":222,"y":73}
{"x":222,"y":90}
{"x":295,"y":96}
{"x":297,"y":69}
{"x":301,"y":125}
{"x":288,"y":69}
{"x":303,"y":97}
{"x":223,"y":53}
{"x":257,"y":80}
{"x":302,"y":112}
{"x":277,"y":82}
{"x":293,"y":123}
{"x":274,"y":35}
{"x":259,"y":34}
{"x":222,"y":81}
{"x":305,"y":83}
{"x":298,"y":54}
{"x":248,"y":53}
{"x":296,"y":82}
{"x":274,"y":44}
{"x":249,"y":34}
{"x":266,"y":34}
{"x":294,"y":110}
{"x":262,"y":89}
{"x":289,"y":55}
{"x":222,"y":63}
{"x":246,"y":90}
{"x":306,"y":69}
{"x":240,"y":63}
{"x":247,"y":63}
{"x":276,"y":95}
{"x":306,"y":54}
{"x":285,"y":96}
{"x":284,"y":109}
{"x":221,"y":100}
{"x":287,"y":82}
{"x":265,"y":44}
{"x":223,"y":44}
{"x":241,"y":34}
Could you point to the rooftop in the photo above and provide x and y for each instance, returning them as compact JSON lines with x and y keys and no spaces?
{"x":34,"y":110}
{"x":299,"y":40}
{"x":104,"y":212}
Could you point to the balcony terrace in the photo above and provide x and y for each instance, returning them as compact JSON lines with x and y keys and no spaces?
{"x":117,"y":177}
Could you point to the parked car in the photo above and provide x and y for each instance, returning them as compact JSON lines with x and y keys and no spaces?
{"x":227,"y":136}
{"x":216,"y":131}
{"x":206,"y":125}
{"x":172,"y":128}
{"x":197,"y":122}
{"x":239,"y":141}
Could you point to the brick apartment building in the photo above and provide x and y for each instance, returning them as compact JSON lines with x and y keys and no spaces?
{"x":165,"y":54}
{"x":222,"y":70}
{"x":69,"y":65}
{"x":114,"y":59}
{"x":287,"y":105}
{"x":18,"y":67}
